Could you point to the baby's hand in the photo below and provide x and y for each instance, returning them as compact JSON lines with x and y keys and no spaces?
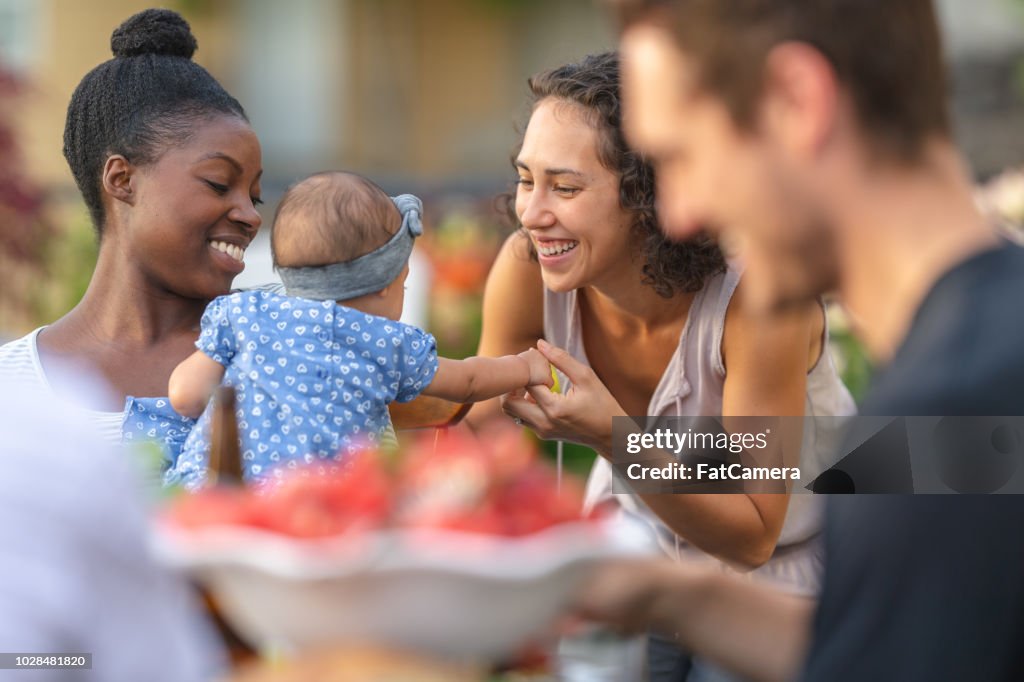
{"x":540,"y":370}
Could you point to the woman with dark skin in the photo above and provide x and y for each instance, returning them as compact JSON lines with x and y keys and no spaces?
{"x":169,"y":169}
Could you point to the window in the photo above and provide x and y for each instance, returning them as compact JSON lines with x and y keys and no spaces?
{"x":19,"y":33}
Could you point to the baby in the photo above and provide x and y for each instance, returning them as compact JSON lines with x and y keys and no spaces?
{"x":315,"y":370}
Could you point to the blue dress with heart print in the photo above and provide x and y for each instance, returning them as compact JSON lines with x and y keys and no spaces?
{"x":313,"y":380}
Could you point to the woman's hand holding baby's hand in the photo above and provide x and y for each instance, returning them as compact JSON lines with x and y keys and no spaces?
{"x":540,"y":370}
{"x":581,"y":415}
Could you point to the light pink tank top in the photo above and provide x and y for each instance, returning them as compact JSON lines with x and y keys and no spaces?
{"x":692,"y":385}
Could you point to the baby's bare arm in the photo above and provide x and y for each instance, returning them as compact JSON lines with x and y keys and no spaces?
{"x":192,"y":383}
{"x":479,"y":378}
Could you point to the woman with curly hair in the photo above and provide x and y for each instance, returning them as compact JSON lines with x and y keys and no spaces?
{"x":662,"y":326}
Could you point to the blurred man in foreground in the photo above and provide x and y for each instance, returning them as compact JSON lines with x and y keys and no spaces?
{"x":816,"y":133}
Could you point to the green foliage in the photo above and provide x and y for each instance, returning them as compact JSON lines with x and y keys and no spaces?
{"x":852,"y":362}
{"x":68,"y":262}
{"x":507,"y":6}
{"x":1018,"y":77}
{"x":576,"y":459}
{"x":149,"y":462}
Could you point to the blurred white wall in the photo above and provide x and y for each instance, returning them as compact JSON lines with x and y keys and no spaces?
{"x":291,"y":72}
{"x":982,"y":27}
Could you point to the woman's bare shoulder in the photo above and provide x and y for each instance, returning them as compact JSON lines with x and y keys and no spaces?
{"x":513,"y":307}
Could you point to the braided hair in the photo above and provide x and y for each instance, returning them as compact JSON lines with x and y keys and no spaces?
{"x":138,"y":104}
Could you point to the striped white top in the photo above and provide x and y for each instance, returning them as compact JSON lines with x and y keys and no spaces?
{"x":20,"y":364}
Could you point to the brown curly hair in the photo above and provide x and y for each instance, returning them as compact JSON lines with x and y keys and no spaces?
{"x":593,"y":84}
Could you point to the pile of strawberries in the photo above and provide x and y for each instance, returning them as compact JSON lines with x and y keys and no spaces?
{"x":493,"y":483}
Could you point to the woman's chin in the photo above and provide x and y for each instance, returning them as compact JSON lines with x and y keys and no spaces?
{"x":210,"y":290}
{"x":560,"y":283}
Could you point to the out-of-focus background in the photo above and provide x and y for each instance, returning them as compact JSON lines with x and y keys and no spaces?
{"x":421,"y":95}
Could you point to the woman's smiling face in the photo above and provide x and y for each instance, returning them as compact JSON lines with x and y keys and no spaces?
{"x":194,"y":210}
{"x":569,"y":202}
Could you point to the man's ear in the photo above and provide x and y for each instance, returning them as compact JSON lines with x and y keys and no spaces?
{"x":117,"y":178}
{"x":801,"y":98}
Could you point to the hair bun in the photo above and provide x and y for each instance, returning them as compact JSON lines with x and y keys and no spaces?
{"x":154,"y":31}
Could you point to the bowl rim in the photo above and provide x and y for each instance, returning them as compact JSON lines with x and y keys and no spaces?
{"x":386,"y":550}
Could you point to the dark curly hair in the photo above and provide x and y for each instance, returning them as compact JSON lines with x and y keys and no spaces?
{"x":138,"y":104}
{"x":593,"y":84}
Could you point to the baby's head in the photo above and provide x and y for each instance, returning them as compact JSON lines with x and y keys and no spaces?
{"x":337,"y":236}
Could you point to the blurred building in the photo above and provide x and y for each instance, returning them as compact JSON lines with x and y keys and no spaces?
{"x":985,"y":42}
{"x":421,"y":94}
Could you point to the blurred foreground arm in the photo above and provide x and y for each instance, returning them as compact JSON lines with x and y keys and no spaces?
{"x":768,"y":631}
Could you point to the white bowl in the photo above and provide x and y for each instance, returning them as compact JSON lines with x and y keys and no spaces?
{"x":451,"y":594}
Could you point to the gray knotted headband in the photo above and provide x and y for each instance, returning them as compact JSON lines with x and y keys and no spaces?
{"x":364,"y":275}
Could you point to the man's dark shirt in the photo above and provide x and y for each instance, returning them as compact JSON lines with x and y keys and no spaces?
{"x":931,"y":587}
